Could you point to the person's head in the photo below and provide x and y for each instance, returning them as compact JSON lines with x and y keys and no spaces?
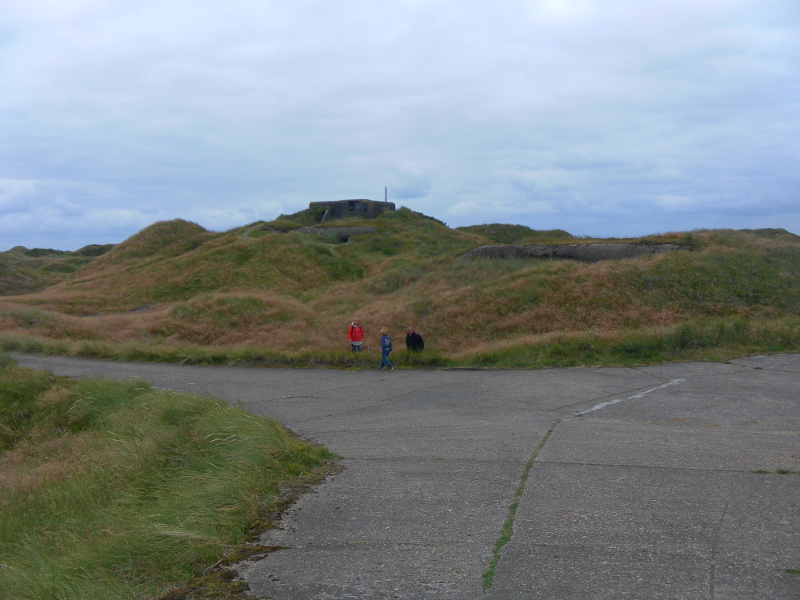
{"x":409,"y":330}
{"x":384,"y":331}
{"x":356,"y":322}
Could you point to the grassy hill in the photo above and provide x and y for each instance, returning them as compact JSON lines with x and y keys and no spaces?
{"x":281,"y":293}
{"x":26,"y":270}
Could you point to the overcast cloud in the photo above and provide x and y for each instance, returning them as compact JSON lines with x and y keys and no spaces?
{"x":600,"y":117}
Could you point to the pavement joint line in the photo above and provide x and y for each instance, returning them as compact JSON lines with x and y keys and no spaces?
{"x":507,"y":531}
{"x":348,"y":411}
{"x":758,"y":368}
{"x":603,"y":405}
{"x":714,"y":550}
{"x":663,"y":468}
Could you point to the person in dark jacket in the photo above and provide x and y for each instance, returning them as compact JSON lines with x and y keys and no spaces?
{"x":414,"y":341}
{"x":386,"y":348}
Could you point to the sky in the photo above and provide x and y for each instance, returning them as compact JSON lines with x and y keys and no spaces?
{"x":604,"y":118}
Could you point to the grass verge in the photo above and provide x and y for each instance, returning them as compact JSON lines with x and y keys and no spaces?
{"x":719,"y":338}
{"x":215,"y":355}
{"x":119,"y":490}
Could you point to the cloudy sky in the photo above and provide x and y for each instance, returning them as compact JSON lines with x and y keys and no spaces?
{"x":601,"y":117}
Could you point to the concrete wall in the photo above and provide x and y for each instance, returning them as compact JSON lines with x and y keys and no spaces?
{"x":581,"y":252}
{"x":340,"y":209}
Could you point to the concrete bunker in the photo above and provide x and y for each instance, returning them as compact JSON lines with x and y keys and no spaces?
{"x":341,"y":209}
{"x":579,"y":252}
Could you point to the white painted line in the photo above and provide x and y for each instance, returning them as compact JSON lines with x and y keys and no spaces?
{"x":634,"y":397}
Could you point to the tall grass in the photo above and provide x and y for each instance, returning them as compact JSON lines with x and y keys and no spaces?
{"x":714,"y":338}
{"x":702,"y":339}
{"x":119,"y":490}
{"x":287,"y":298}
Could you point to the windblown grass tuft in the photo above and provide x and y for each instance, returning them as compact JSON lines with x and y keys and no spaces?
{"x":119,"y":490}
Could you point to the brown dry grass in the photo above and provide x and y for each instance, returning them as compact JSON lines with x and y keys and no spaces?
{"x":294,"y":293}
{"x":36,"y":464}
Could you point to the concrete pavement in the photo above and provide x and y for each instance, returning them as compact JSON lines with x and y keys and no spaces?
{"x":672,"y":481}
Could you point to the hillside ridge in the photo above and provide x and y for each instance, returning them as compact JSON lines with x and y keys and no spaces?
{"x":293,"y":285}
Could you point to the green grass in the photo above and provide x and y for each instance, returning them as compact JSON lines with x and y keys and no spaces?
{"x":715,"y":339}
{"x":26,"y":270}
{"x":119,"y":490}
{"x":285,"y":298}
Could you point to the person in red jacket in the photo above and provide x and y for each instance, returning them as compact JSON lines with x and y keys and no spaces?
{"x":356,"y":335}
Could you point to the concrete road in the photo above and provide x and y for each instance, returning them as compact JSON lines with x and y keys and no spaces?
{"x":665,"y":482}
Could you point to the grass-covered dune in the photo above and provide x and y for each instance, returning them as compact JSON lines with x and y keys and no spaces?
{"x":277,"y":293}
{"x":119,"y":490}
{"x":30,"y":269}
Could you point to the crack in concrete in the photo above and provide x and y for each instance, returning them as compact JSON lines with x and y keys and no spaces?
{"x":712,"y":576}
{"x":507,"y":531}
